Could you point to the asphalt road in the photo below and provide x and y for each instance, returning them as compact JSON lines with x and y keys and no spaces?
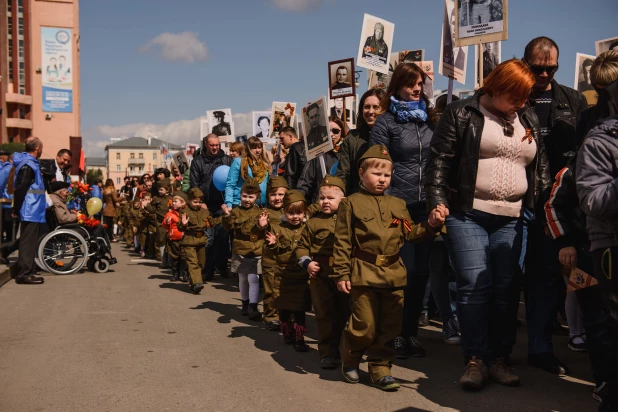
{"x":132,"y":340}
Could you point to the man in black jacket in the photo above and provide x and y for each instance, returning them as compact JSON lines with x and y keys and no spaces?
{"x":55,"y":169}
{"x":558,"y":108}
{"x":202,"y":169}
{"x":295,"y":159}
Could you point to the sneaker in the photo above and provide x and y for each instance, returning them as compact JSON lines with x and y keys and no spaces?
{"x":142,"y":253}
{"x":501,"y":373}
{"x":475,"y":375}
{"x":197,"y":288}
{"x":401,"y":348}
{"x":415,"y":349}
{"x":328,"y":362}
{"x":350,"y":375}
{"x":423,"y":320}
{"x":387,"y":384}
{"x":449,"y":330}
{"x":578,"y":344}
{"x":598,"y":392}
{"x":548,"y":362}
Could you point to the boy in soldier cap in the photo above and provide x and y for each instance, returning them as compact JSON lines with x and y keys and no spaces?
{"x":315,"y":255}
{"x":246,"y":246}
{"x":135,"y":217}
{"x":194,"y":220}
{"x":277,"y":188}
{"x":159,"y":206}
{"x":371,"y":229}
{"x":148,"y":231}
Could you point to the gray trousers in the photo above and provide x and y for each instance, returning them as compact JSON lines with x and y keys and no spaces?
{"x":28,"y":242}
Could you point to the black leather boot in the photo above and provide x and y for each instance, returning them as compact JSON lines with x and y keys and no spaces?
{"x":244,"y":311}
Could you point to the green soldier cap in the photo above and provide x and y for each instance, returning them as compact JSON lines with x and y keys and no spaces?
{"x":276,"y":182}
{"x":195,"y":193}
{"x":293,"y":196}
{"x":377,"y":152}
{"x":251,"y":186}
{"x":182,"y":194}
{"x":333,"y":181}
{"x":163,"y":183}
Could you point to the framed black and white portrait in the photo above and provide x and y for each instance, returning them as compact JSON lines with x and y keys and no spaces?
{"x":341,"y":78}
{"x":281,"y":116}
{"x":316,"y":127}
{"x":375,"y":44}
{"x":220,"y":123}
{"x":492,"y":56}
{"x":336,"y":109}
{"x":605,"y":45}
{"x":453,"y":60}
{"x":481,"y":21}
{"x":181,"y":162}
{"x":261,"y":124}
{"x":583,"y":84}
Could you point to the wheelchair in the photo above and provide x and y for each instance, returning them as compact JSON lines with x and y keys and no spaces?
{"x":66,"y":249}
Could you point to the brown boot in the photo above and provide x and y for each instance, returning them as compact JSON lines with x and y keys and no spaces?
{"x":475,"y":375}
{"x":501,"y":373}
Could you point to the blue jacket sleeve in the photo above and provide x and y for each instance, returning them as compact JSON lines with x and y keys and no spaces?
{"x":232,"y":182}
{"x":379,"y":133}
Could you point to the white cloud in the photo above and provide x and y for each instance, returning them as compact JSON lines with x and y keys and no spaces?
{"x":298,"y":5}
{"x":178,"y":132}
{"x":181,"y":47}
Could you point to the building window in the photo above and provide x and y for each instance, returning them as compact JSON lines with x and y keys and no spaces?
{"x":154,"y":156}
{"x":131,"y":168}
{"x":132,"y":156}
{"x":117,"y":180}
{"x":141,"y":168}
{"x":141,"y":155}
{"x":117,"y":156}
{"x":118,"y":168}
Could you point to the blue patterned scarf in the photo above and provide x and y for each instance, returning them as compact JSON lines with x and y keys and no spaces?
{"x":408,"y":111}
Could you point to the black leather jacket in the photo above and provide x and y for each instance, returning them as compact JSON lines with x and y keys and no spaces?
{"x":453,"y":163}
{"x":200,"y":176}
{"x":294,"y":164}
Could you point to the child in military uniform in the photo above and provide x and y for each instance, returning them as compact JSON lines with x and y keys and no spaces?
{"x":135,"y":217}
{"x":127,"y":229}
{"x":246,"y":246}
{"x":292,"y":297}
{"x":148,"y":231}
{"x":194,"y":221}
{"x":371,"y":229}
{"x":159,"y":206}
{"x":315,"y":255}
{"x":174,"y":236}
{"x":277,"y":188}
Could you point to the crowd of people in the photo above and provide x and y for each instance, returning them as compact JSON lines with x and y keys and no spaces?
{"x":513,"y":189}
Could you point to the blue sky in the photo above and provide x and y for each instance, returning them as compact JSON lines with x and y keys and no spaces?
{"x":156,"y":66}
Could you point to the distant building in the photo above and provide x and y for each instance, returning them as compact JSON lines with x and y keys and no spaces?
{"x":40,"y":74}
{"x":100,"y":163}
{"x":135,"y":156}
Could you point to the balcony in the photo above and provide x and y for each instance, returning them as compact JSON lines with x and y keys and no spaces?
{"x":18,"y":98}
{"x":19,"y":123}
{"x":139,"y":162}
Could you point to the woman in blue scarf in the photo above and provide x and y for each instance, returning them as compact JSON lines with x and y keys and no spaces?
{"x":406,"y":128}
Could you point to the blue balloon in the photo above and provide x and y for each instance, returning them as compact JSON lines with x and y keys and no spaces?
{"x":219,"y":177}
{"x":333,"y":170}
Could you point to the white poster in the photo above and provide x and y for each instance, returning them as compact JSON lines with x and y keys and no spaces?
{"x":57,"y":72}
{"x":480,"y":17}
{"x":375,"y":44}
{"x":221,"y":124}
{"x":453,"y":60}
{"x":315,"y":122}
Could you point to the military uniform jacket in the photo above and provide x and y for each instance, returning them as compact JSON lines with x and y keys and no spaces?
{"x":135,"y":217}
{"x":199,"y":221}
{"x":377,"y":224}
{"x":318,"y":240}
{"x":159,"y":206}
{"x":248,"y":235}
{"x":269,"y":254}
{"x":285,"y":251}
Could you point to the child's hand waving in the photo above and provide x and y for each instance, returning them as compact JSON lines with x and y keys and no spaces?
{"x":271,"y":238}
{"x":263,"y":219}
{"x":185,"y":219}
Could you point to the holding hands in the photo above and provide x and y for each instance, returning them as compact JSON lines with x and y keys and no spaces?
{"x":437,"y":216}
{"x":313,"y":269}
{"x":344,"y":286}
{"x":263,"y":219}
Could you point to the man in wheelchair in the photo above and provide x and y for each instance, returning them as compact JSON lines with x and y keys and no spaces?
{"x":63,"y":216}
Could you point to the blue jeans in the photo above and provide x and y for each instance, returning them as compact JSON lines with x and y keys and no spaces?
{"x":484,"y":250}
{"x":415,"y":257}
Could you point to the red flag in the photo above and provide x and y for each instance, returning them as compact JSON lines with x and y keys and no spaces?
{"x":580,"y":280}
{"x":82,"y":160}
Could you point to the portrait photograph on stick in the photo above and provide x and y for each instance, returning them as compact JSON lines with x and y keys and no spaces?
{"x":453,"y":60}
{"x":181,"y":162}
{"x":582,"y":83}
{"x":220,"y":122}
{"x":377,"y":80}
{"x":481,"y":21}
{"x":375,"y":44}
{"x":316,"y":125}
{"x":261,"y":124}
{"x":341,"y":78}
{"x":281,"y":116}
{"x":335,"y":107}
{"x":492,"y":56}
{"x":606,"y":45}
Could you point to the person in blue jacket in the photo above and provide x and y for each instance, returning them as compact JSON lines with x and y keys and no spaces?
{"x":253,"y":163}
{"x":29,"y":206}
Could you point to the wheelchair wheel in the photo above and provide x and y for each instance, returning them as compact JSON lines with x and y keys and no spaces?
{"x":36,"y":258}
{"x":101,"y":266}
{"x":63,"y":252}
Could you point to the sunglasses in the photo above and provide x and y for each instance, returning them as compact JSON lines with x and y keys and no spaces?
{"x":508,"y":129}
{"x":335,"y":130}
{"x":538,"y":70}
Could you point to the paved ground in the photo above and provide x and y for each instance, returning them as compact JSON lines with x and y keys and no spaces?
{"x":131,"y":340}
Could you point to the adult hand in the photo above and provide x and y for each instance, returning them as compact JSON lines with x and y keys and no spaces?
{"x":568,"y":257}
{"x":344,"y":286}
{"x":313,"y":269}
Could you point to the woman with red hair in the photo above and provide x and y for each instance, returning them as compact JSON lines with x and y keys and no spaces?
{"x":487,"y":161}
